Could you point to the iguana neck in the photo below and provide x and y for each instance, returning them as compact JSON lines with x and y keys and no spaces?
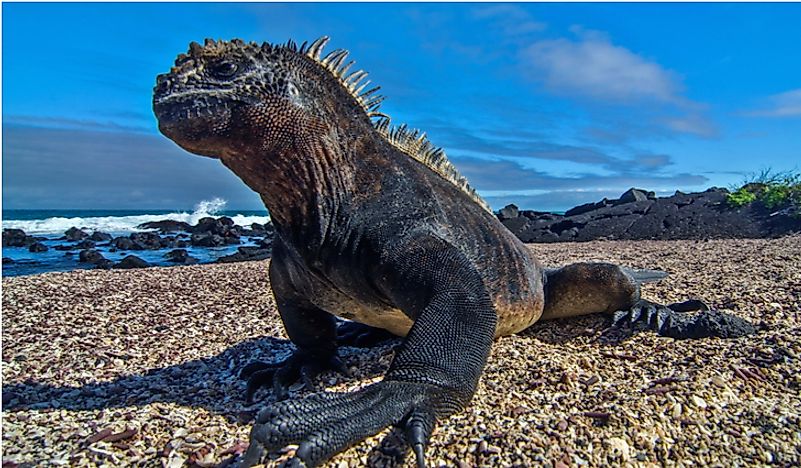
{"x":306,"y":186}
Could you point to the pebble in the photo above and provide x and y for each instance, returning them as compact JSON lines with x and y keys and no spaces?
{"x":698,"y":401}
{"x":718,"y":380}
{"x":175,"y":461}
{"x":482,"y":446}
{"x":618,"y":447}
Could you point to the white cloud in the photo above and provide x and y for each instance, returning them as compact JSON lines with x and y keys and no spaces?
{"x":787,"y":104}
{"x":592,"y":66}
{"x":511,"y":19}
{"x":693,"y":124}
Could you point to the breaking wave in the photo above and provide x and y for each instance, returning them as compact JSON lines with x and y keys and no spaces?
{"x":56,"y":225}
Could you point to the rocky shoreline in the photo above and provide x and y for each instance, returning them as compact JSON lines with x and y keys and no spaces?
{"x":636,"y":215}
{"x":640,"y":215}
{"x":171,"y":237}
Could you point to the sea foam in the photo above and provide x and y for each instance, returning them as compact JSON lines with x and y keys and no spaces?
{"x":127,"y":224}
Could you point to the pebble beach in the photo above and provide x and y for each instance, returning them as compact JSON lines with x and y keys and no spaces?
{"x":139,"y":367}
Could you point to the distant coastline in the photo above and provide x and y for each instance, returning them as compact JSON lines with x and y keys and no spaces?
{"x":59,"y":254}
{"x":39,"y":241}
{"x":26,"y":214}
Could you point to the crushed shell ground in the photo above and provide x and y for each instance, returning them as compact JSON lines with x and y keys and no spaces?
{"x":140,"y":368}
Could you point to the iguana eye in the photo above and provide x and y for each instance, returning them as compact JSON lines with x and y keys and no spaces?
{"x":224,"y":69}
{"x":292,"y":90}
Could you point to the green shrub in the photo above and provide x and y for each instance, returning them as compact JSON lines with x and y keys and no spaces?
{"x":777,"y":191}
{"x":741,"y":197}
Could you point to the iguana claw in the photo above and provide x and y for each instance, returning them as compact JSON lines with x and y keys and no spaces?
{"x":326,"y":423}
{"x":670,"y":321}
{"x":418,"y":430}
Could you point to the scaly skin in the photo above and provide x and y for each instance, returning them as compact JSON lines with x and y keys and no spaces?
{"x":365,"y":232}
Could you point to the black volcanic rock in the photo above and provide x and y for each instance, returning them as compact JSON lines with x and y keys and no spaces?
{"x":75,"y":234}
{"x":16,"y":238}
{"x":124,"y":243}
{"x":210,"y":232}
{"x":130,"y":262}
{"x":634,"y":195}
{"x":146,"y":240}
{"x":246,"y":254}
{"x":508,"y":212}
{"x":207,"y":239}
{"x":587,"y":207}
{"x":180,"y":256}
{"x":104,"y":264}
{"x":85,"y":244}
{"x":37,"y":247}
{"x":207,"y":224}
{"x":167,"y":225}
{"x":90,"y":256}
{"x":638,"y":214}
{"x":98,"y":236}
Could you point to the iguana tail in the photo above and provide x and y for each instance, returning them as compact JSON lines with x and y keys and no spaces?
{"x":645,"y":276}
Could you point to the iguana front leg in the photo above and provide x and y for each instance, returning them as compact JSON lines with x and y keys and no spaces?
{"x":310,"y":328}
{"x":313,"y":331}
{"x":434,"y":374}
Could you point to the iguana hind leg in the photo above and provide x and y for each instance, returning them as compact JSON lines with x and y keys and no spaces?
{"x":585,"y":288}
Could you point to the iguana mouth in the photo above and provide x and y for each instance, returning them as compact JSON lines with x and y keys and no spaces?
{"x":196,"y":120}
{"x":189,"y":105}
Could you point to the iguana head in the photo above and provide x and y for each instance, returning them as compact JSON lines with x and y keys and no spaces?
{"x":244,"y":102}
{"x":223,"y":97}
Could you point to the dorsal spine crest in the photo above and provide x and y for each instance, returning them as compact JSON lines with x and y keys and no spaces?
{"x":411,"y":142}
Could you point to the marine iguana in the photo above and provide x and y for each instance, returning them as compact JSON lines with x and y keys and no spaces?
{"x":374,"y":224}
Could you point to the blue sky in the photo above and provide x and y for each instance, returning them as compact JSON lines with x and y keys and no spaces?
{"x":544,"y":105}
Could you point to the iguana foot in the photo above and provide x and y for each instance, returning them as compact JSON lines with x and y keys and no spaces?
{"x":360,"y":335}
{"x":670,"y":321}
{"x":302,"y":365}
{"x":326,"y":423}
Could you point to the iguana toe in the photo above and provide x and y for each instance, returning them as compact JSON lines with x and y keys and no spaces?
{"x":324,"y":424}
{"x":301,"y":366}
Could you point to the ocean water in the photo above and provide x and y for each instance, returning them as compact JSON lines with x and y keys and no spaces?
{"x":51,"y":225}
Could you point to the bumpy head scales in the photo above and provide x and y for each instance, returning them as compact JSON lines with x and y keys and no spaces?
{"x":212,"y":91}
